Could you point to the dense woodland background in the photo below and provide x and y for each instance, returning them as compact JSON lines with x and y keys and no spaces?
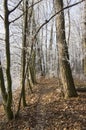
{"x":41,"y":41}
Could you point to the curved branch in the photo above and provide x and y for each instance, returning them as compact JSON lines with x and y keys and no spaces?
{"x":47,"y":21}
{"x":15,"y":7}
{"x":25,"y":11}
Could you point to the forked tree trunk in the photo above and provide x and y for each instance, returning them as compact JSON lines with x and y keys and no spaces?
{"x":4,"y":94}
{"x":64,"y":65}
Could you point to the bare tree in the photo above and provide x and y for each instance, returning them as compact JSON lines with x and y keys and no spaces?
{"x":64,"y":65}
{"x":25,"y":25}
{"x":7,"y":96}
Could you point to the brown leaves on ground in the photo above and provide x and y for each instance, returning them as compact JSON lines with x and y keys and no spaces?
{"x":47,"y":110}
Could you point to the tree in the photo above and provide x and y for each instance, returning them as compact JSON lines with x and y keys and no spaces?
{"x":8,"y":103}
{"x":84,"y":38}
{"x":7,"y":95}
{"x":24,"y":50}
{"x":64,"y":65}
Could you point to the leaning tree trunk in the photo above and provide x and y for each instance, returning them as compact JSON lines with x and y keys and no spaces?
{"x":65,"y":70}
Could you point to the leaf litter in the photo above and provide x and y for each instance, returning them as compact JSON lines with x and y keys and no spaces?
{"x":47,"y":109}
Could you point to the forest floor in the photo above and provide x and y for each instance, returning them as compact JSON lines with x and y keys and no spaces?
{"x":47,"y":110}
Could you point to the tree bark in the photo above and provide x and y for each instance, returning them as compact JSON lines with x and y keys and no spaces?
{"x":84,"y":38}
{"x":2,"y":85}
{"x":8,"y":75}
{"x":24,"y":51}
{"x":65,"y":70}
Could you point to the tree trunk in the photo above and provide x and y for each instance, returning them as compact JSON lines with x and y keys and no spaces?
{"x":84,"y":39}
{"x":33,"y":51}
{"x":24,"y":52}
{"x":32,"y":67}
{"x":29,"y":80}
{"x":2,"y":85}
{"x":65,"y":70}
{"x":8,"y":75}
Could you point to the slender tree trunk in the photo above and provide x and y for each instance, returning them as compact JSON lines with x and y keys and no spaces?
{"x":50,"y":55}
{"x":84,"y":39}
{"x":2,"y":85}
{"x":32,"y":67}
{"x":69,"y":24}
{"x":8,"y":75}
{"x":33,"y":53}
{"x":46,"y":50}
{"x":42,"y":56}
{"x":65,"y":70}
{"x":24,"y":52}
{"x":29,"y":80}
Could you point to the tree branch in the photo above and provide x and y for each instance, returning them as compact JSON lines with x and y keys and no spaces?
{"x":25,"y":11}
{"x":1,"y":39}
{"x":1,"y":17}
{"x":16,"y":18}
{"x":15,"y":7}
{"x":47,"y":21}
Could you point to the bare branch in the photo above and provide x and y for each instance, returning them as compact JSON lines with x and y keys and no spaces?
{"x":1,"y":39}
{"x":1,"y":17}
{"x":15,"y":7}
{"x":47,"y":21}
{"x":16,"y":18}
{"x":25,"y":11}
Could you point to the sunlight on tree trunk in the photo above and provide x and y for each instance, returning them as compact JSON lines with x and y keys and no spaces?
{"x":65,"y":70}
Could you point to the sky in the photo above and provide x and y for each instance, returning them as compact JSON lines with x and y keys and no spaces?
{"x":1,"y":21}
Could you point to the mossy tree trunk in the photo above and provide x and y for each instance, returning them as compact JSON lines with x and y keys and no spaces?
{"x":4,"y":94}
{"x":2,"y":85}
{"x":8,"y":104}
{"x":64,"y":65}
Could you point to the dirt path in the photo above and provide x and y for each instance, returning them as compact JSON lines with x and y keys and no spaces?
{"x":48,"y":111}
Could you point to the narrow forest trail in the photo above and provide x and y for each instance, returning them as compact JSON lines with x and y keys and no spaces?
{"x":47,"y":110}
